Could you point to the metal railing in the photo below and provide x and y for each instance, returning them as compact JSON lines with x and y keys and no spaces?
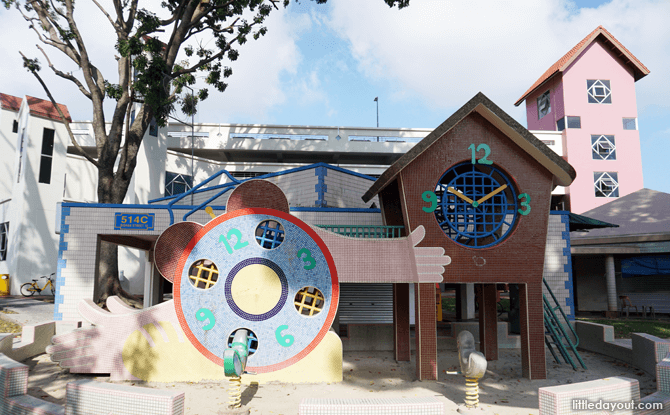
{"x":362,"y":231}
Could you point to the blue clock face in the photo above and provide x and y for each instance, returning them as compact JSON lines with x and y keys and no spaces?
{"x":476,"y":205}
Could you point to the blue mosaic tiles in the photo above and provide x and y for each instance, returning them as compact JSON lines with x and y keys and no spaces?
{"x":294,"y":271}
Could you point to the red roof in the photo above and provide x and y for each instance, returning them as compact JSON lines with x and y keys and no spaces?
{"x":9,"y":102}
{"x":639,"y":70}
{"x":39,"y":107}
{"x":44,"y":108}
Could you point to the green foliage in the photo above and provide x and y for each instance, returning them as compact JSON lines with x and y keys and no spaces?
{"x":33,"y":65}
{"x":623,"y":328}
{"x":114,"y":91}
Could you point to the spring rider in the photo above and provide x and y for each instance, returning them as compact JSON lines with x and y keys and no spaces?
{"x":473,"y":366}
{"x":234,"y":365}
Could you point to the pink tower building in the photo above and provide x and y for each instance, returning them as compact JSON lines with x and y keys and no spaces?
{"x":589,"y":95}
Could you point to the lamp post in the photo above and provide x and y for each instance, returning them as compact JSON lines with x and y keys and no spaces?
{"x":377,"y":101}
{"x":192,"y":142}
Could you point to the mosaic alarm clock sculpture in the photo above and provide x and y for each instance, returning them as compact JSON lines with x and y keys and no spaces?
{"x":261,"y":270}
{"x":256,"y":268}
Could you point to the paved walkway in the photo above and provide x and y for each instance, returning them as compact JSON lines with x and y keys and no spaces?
{"x":30,"y":311}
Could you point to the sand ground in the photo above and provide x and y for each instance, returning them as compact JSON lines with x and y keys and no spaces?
{"x":371,"y":375}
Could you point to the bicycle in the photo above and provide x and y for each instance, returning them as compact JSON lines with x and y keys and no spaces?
{"x":30,"y":288}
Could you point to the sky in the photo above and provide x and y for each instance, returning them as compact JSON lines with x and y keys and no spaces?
{"x":323,"y":65}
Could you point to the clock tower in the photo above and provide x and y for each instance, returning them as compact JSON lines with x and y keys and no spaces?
{"x":481,"y":185}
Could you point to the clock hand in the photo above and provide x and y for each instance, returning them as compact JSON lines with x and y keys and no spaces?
{"x":490,"y":195}
{"x":459,"y":194}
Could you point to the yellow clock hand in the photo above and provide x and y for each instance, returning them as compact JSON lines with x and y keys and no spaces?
{"x":490,"y":195}
{"x":459,"y":194}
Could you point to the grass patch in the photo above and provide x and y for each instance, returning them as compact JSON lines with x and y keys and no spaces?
{"x":624,"y":328}
{"x":449,"y":304}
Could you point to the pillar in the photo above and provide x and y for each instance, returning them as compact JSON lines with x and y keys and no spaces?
{"x":467,"y":306}
{"x":531,"y":313}
{"x":401,"y":336}
{"x":425,"y":331}
{"x":612,"y":305}
{"x":488,"y":321}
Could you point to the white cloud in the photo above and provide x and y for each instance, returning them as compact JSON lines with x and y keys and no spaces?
{"x":255,"y":86}
{"x":448,"y":51}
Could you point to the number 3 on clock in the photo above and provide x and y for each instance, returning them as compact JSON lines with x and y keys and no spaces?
{"x":525,"y":204}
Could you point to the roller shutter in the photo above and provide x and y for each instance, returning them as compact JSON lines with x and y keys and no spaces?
{"x":366,"y":304}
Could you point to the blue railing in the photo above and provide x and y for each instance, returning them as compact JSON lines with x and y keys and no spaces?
{"x":362,"y":231}
{"x":183,"y":195}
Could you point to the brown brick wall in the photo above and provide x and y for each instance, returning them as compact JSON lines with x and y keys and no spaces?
{"x":401,"y":335}
{"x":425,"y":331}
{"x":488,"y":321}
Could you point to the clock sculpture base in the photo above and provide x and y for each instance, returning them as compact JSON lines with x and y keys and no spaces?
{"x":181,"y":362}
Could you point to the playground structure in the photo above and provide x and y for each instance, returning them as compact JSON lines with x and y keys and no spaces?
{"x":216,"y":268}
{"x":511,"y":216}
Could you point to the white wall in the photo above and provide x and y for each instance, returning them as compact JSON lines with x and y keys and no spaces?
{"x":7,"y":149}
{"x":33,"y":243}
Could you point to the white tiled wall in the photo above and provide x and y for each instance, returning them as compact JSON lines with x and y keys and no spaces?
{"x":557,"y":265}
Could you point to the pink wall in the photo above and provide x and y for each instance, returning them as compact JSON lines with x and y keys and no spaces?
{"x":598,"y":62}
{"x":548,"y":122}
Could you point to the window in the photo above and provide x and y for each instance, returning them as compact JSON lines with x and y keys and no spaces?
{"x":603,"y":147}
{"x":153,"y":128}
{"x":543,"y":105}
{"x":4,"y":237}
{"x":177,"y":183}
{"x":15,"y":127}
{"x":47,"y":155}
{"x":560,"y":124}
{"x":630,"y":123}
{"x":246,"y":174}
{"x":606,"y":184}
{"x":574,"y":122}
{"x":599,"y":91}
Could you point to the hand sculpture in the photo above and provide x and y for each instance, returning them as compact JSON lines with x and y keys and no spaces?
{"x":394,"y":260}
{"x":131,"y":344}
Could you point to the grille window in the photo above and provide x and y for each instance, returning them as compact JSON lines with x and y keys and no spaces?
{"x":47,"y":156}
{"x":4,"y":238}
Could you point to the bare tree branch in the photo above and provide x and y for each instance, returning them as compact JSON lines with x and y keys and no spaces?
{"x":102,"y":9}
{"x":64,"y":75}
{"x":227,"y":29}
{"x":128,"y":24}
{"x":62,"y":116}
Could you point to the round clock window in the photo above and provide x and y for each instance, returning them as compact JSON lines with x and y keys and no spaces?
{"x":476,"y":204}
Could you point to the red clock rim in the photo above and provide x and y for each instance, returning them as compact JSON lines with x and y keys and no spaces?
{"x":262,"y":211}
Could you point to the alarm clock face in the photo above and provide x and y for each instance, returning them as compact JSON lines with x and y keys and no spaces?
{"x":262,"y":270}
{"x":476,"y":204}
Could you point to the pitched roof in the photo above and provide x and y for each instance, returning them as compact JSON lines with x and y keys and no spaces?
{"x":44,"y":108}
{"x":644,"y":212}
{"x":38,"y":106}
{"x":9,"y":102}
{"x":639,"y":70}
{"x":563,"y":172}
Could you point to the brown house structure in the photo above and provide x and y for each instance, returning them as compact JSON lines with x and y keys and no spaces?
{"x":480,"y":184}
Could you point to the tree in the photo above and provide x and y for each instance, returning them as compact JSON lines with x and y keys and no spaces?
{"x":148,"y":74}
